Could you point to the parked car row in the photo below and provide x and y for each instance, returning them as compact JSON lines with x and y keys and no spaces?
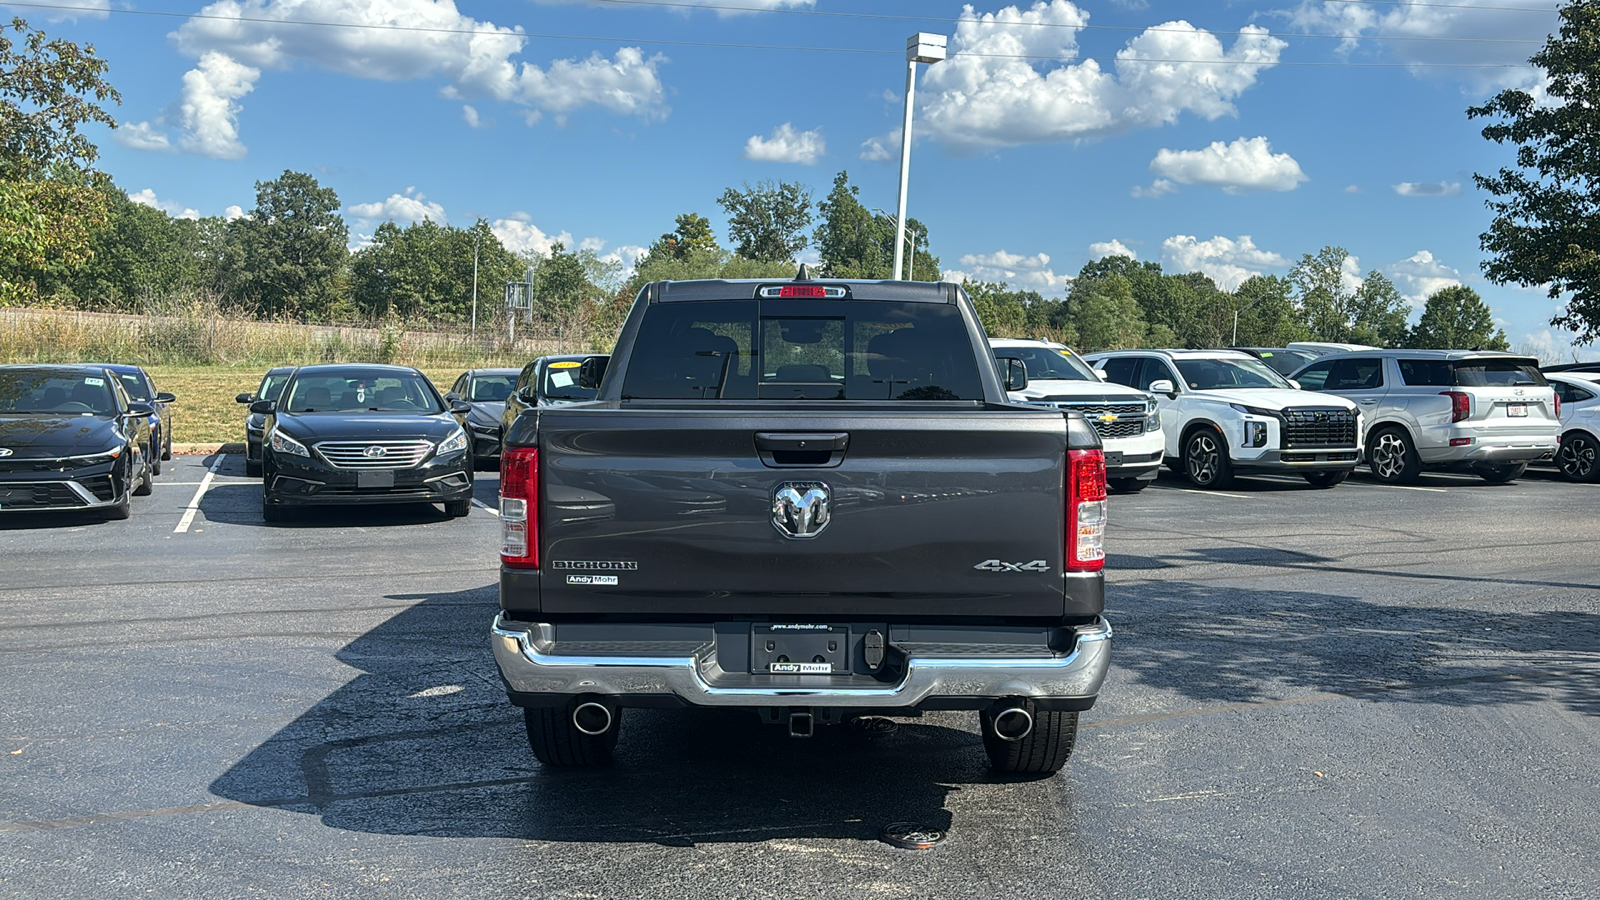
{"x":1400,"y":412}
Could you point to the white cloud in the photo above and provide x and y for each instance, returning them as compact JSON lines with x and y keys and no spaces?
{"x":1428,"y":188}
{"x":787,"y":146}
{"x":1354,"y":189}
{"x":403,"y":209}
{"x":519,"y":235}
{"x":1226,"y":261}
{"x":233,"y":212}
{"x":147,"y":197}
{"x":209,"y":112}
{"x":1493,"y":37}
{"x":1158,"y":188}
{"x":470,"y":116}
{"x":141,"y":136}
{"x":1420,"y":275}
{"x":394,"y":40}
{"x":1552,"y":345}
{"x":985,"y":95}
{"x":881,"y":148}
{"x":1103,"y":249}
{"x":1018,"y":271}
{"x":1247,"y":164}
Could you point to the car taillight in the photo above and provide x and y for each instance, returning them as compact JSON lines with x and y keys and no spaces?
{"x":519,"y":507}
{"x":1558,"y":405}
{"x":1086,"y":510}
{"x":1460,"y":405}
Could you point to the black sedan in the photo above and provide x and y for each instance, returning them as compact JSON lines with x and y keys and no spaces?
{"x":255,"y":423}
{"x":363,"y":434}
{"x":547,"y":381}
{"x":485,"y":390}
{"x":141,"y":389}
{"x":71,"y":439}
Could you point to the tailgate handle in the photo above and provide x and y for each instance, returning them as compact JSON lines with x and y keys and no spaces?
{"x":801,"y":449}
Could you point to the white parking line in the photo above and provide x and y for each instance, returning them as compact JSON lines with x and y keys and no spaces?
{"x":486,"y":507}
{"x":1402,"y":487}
{"x":1213,"y":493}
{"x":194,"y":505}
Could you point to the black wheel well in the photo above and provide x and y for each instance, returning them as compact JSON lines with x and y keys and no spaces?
{"x":1192,"y":427}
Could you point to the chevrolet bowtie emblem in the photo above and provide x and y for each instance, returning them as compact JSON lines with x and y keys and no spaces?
{"x":1108,"y":418}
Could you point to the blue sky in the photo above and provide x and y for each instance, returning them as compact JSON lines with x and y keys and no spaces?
{"x":1225,"y":137}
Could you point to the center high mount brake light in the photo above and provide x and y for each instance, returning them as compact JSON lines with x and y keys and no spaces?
{"x":803,"y":292}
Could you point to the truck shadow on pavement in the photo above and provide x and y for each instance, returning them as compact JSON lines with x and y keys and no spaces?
{"x":424,"y":742}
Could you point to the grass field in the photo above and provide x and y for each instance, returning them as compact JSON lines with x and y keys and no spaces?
{"x":206,"y":412}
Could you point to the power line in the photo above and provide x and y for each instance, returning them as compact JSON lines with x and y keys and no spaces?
{"x":509,"y":35}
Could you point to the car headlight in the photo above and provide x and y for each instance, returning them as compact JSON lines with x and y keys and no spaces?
{"x":453,"y":443}
{"x":282,"y":443}
{"x":1152,"y":414}
{"x":482,"y":428}
{"x":1254,"y":410}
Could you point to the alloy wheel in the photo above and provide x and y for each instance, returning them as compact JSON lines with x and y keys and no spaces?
{"x":1202,"y":459}
{"x":1577,"y":458}
{"x":1389,"y":456}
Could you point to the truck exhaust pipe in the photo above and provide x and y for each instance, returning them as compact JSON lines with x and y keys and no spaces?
{"x":1013,"y":723}
{"x":592,"y":718}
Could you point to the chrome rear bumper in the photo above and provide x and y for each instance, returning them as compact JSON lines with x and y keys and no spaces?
{"x":522,"y":652}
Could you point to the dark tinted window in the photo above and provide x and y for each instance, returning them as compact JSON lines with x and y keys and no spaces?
{"x":272,"y":387}
{"x":135,"y":385}
{"x":1204,"y":374}
{"x":1154,"y":370}
{"x":803,"y":350}
{"x":1498,"y":373}
{"x":1315,"y":377}
{"x":1355,"y":375}
{"x":491,"y":388}
{"x":56,"y":394}
{"x":1284,"y":362}
{"x":1571,"y":393}
{"x":358,"y":390}
{"x":561,"y":382}
{"x":1433,"y":372}
{"x":1121,"y":369}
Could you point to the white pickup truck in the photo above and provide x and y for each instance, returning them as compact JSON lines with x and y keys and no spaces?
{"x":1126,"y":419}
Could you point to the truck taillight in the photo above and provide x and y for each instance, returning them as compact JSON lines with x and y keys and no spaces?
{"x":519,"y":507}
{"x":1460,"y":405}
{"x":1086,"y":510}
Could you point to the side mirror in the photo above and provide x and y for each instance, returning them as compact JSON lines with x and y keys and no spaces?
{"x":458,"y":406}
{"x":1099,"y":373}
{"x":1016,"y":373}
{"x":1296,"y":385}
{"x":452,"y":396}
{"x":592,"y":372}
{"x":527,"y":396}
{"x":1163,"y":386}
{"x":264,"y":407}
{"x":139,"y":409}
{"x":245,"y":398}
{"x":165,"y":397}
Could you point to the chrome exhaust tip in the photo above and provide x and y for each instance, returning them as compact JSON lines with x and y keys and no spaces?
{"x":592,"y":718}
{"x":1013,"y":723}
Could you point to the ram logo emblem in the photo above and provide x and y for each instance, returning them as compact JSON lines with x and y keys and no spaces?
{"x":801,"y":509}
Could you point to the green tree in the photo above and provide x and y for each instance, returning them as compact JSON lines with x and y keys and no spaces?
{"x":693,"y":235}
{"x":424,"y":270}
{"x":291,"y":249}
{"x":1378,"y":314}
{"x":141,"y":256}
{"x":849,"y":238}
{"x":1108,"y":318}
{"x":1456,"y":318}
{"x":1319,"y":284}
{"x":51,"y":199}
{"x":768,"y":222}
{"x":1546,"y":227}
{"x":1268,"y":316}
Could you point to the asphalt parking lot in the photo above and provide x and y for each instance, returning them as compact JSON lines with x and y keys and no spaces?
{"x":1369,"y":691}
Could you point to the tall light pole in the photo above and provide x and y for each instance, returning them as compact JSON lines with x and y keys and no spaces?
{"x":476,"y":234}
{"x":911,"y":242}
{"x":920,"y":48}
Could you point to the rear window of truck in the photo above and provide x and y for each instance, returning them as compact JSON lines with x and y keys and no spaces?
{"x":802,"y":350}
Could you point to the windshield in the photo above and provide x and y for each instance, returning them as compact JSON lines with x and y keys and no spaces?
{"x":803,"y":350}
{"x":561,"y":382}
{"x":1048,"y":363}
{"x":1285,"y":362}
{"x":1228,"y":374}
{"x":39,"y":393}
{"x":355,"y":390}
{"x":492,"y":388}
{"x":272,"y":387}
{"x":134,"y":384}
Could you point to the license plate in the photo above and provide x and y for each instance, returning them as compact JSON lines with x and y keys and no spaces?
{"x":1113,"y":458}
{"x":379,"y":479}
{"x":1516,"y":409}
{"x":799,"y":649}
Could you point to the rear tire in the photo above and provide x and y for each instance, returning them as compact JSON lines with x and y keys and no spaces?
{"x":1501,"y":474}
{"x":1393,"y":457}
{"x":555,"y":741}
{"x":458,"y":509}
{"x":1126,"y":485}
{"x":146,"y":480}
{"x":272,"y":512}
{"x":1205,"y":459}
{"x":166,"y":448}
{"x":1045,"y":749}
{"x":1326,"y":479}
{"x":1579,"y":457}
{"x":156,"y":458}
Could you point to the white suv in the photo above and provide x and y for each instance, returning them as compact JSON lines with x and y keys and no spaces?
{"x":1224,"y":412}
{"x":1468,"y":410}
{"x":1129,"y":426}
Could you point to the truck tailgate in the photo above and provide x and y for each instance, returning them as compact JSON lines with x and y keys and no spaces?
{"x":947,"y":512}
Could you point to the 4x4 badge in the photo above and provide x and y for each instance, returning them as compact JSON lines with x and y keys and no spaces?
{"x":995,"y":565}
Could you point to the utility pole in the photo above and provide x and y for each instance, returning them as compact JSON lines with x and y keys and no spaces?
{"x":476,"y":234}
{"x":920,"y":48}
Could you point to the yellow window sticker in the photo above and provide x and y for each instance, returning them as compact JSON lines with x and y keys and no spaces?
{"x":566,"y":365}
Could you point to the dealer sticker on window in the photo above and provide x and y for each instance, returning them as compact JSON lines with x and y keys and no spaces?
{"x":592,"y":579}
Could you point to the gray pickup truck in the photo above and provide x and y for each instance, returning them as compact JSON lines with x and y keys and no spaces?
{"x":810,"y":499}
